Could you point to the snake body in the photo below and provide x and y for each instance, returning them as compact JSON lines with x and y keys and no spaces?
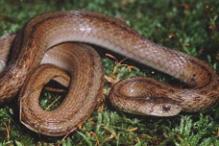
{"x":46,"y":37}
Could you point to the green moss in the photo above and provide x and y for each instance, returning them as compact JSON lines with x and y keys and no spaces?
{"x":189,"y":26}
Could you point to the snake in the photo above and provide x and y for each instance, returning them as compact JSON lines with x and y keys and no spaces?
{"x":57,"y":46}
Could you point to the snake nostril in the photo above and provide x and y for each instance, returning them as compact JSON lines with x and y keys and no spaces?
{"x":193,"y":77}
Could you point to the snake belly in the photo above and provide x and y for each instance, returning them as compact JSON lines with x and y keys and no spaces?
{"x":144,"y":96}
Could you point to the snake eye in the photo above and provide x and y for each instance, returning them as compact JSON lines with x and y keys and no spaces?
{"x":166,"y":108}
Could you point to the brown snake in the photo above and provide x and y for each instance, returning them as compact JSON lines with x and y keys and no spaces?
{"x":44,"y":39}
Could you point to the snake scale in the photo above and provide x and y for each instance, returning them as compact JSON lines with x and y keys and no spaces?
{"x":49,"y":39}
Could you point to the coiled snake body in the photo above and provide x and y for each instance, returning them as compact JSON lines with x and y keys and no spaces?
{"x":48,"y":39}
